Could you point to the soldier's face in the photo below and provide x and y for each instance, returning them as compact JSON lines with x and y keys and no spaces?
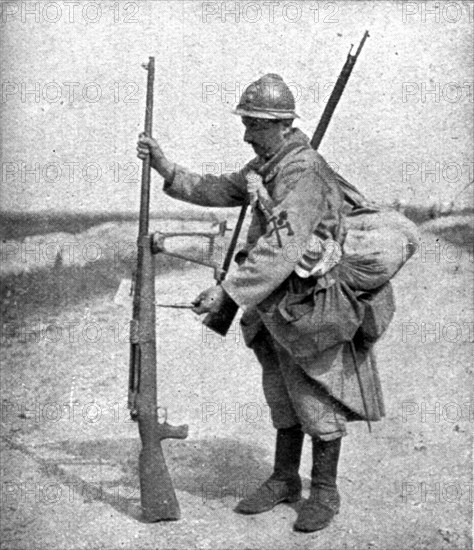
{"x":265,"y":136}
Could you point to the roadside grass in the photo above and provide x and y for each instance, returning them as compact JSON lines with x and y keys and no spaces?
{"x":459,"y":234}
{"x":422,"y":214}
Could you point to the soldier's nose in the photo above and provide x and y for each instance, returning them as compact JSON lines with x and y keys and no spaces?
{"x":247,"y":136}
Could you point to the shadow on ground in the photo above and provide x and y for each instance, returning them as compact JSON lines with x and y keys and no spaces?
{"x":107,"y":470}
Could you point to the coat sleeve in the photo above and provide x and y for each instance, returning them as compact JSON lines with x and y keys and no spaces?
{"x":207,"y":189}
{"x":299,"y":206}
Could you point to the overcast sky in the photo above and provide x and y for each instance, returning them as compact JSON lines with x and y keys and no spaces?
{"x":73,"y":93}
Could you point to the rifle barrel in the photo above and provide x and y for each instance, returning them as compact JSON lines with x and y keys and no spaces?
{"x":146,"y":169}
{"x":233,"y":242}
{"x":143,"y":223}
{"x":336,"y":95}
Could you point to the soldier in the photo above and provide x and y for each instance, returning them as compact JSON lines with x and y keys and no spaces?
{"x":309,"y":391}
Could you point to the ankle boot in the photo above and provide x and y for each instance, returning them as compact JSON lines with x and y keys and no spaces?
{"x":284,"y":485}
{"x":324,"y":501}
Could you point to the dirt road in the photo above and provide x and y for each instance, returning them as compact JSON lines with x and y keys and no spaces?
{"x":69,"y":468}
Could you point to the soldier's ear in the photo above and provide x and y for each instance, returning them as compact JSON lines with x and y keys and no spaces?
{"x":286,"y":127}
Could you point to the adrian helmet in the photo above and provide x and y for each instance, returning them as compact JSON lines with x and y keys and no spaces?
{"x":268,"y":97}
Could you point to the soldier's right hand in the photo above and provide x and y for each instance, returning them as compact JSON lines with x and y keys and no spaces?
{"x":148,"y":146}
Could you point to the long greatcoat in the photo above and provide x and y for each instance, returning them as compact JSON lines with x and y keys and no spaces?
{"x":306,"y":195}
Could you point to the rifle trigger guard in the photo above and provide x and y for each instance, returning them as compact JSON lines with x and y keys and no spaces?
{"x":162,"y":413}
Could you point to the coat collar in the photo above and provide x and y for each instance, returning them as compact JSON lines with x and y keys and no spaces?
{"x":268,"y":168}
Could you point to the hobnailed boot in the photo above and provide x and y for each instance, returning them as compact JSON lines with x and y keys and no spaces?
{"x":324,"y":501}
{"x":284,"y":485}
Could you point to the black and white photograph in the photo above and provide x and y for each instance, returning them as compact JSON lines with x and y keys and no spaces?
{"x":236,"y":274}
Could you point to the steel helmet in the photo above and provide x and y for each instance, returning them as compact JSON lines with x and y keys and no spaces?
{"x":268,"y":97}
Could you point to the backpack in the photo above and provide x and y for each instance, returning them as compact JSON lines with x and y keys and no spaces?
{"x":351,"y":297}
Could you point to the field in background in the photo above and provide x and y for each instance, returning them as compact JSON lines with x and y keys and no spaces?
{"x":17,"y":225}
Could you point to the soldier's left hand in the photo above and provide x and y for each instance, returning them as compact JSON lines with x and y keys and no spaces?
{"x":210,"y":300}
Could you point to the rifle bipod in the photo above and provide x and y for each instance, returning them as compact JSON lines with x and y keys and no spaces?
{"x":217,"y":230}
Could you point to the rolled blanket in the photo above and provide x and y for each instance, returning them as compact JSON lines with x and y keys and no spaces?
{"x":377,"y":245}
{"x":378,"y":242}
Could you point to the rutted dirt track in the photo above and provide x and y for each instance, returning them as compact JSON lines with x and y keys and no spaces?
{"x":69,"y":472}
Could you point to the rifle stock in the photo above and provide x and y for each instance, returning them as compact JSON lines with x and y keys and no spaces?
{"x":158,"y":498}
{"x":221,"y":320}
